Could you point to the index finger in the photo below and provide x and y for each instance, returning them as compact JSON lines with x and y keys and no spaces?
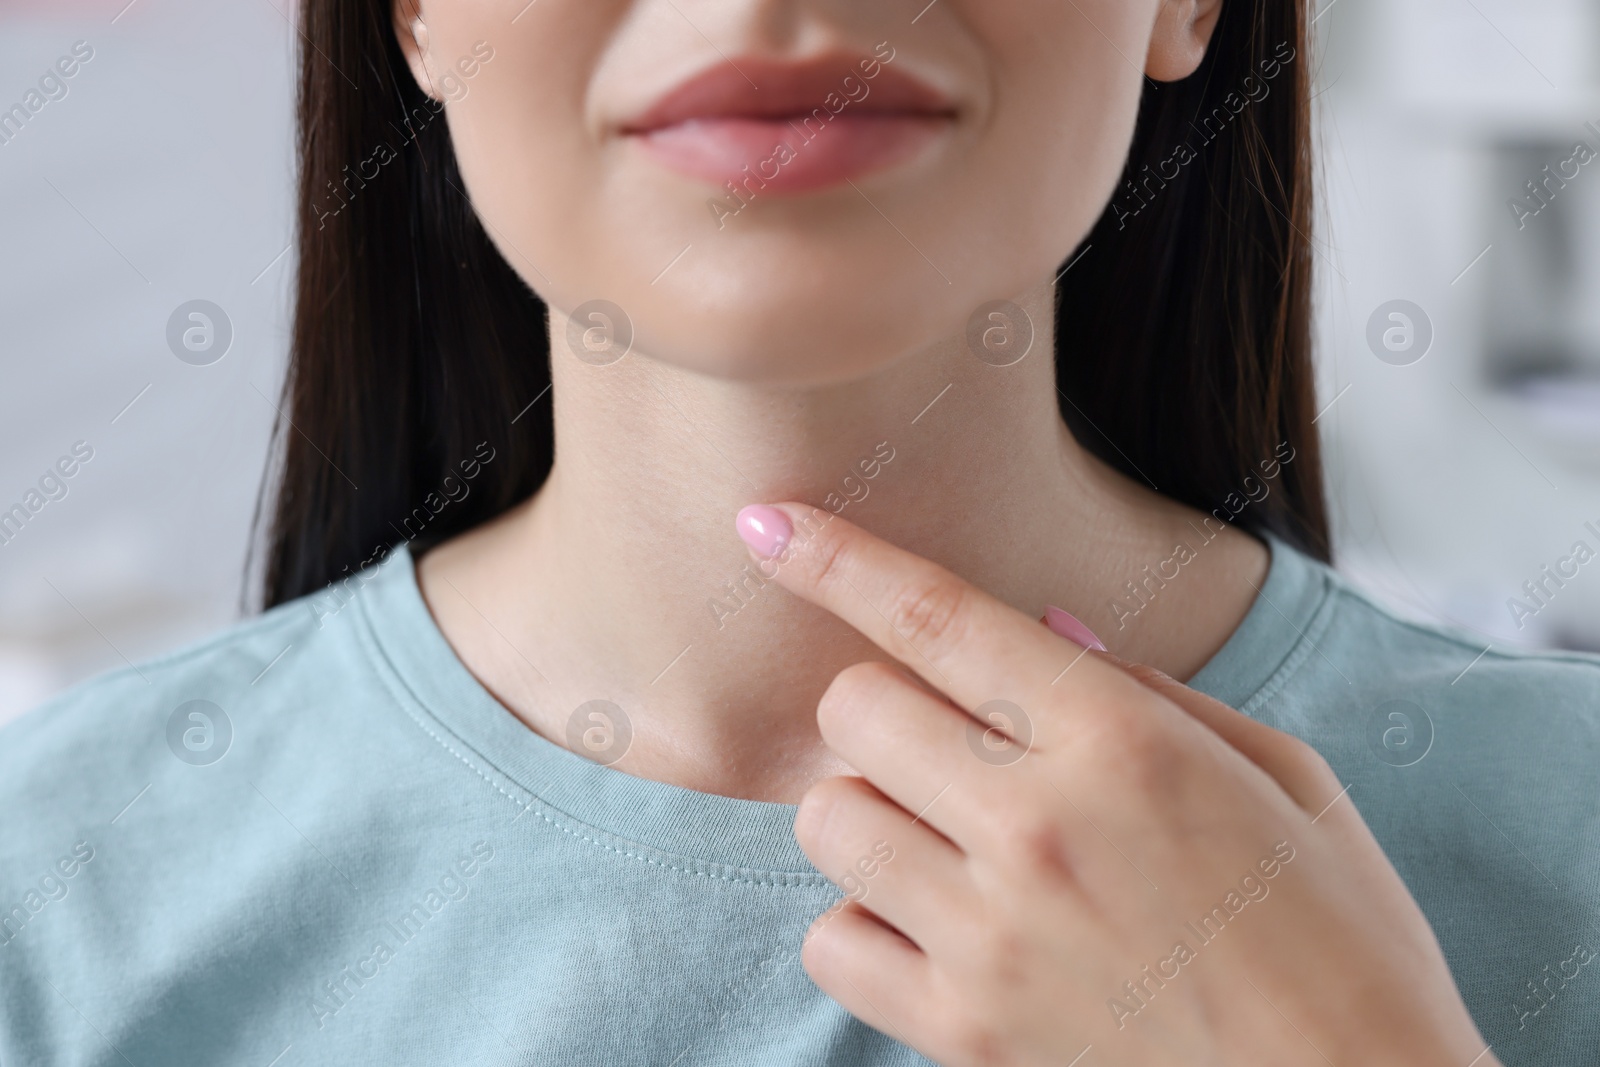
{"x":970,"y":645}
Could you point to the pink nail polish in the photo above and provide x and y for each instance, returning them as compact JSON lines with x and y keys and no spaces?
{"x":1068,"y":626}
{"x":764,"y":528}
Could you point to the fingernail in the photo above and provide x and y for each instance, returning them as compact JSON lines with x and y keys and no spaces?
{"x":1068,"y":626}
{"x":764,"y":528}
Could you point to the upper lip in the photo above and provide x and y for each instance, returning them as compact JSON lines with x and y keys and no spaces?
{"x":753,"y":88}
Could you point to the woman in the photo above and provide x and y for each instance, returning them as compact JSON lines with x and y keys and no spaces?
{"x":509,"y":770}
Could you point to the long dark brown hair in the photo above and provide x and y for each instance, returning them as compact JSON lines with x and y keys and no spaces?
{"x":1183,"y":350}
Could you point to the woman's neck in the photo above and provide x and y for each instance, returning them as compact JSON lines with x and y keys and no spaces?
{"x":623,"y":579}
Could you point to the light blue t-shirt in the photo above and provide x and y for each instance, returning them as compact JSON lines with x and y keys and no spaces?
{"x":316,"y":839}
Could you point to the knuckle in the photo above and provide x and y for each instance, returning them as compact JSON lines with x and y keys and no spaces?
{"x":820,"y":952}
{"x":1299,"y":753}
{"x":827,"y":556}
{"x":1134,"y":745}
{"x":866,"y":680}
{"x":1139,"y":756}
{"x":817,"y":818}
{"x":1306,"y":761}
{"x":929,"y":613}
{"x":1148,"y":676}
{"x":975,"y":1041}
{"x":1005,"y":951}
{"x":855,"y":688}
{"x":1035,"y":842}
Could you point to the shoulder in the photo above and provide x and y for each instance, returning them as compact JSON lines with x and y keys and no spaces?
{"x":1390,"y":649}
{"x":78,"y":758}
{"x":168,"y":814}
{"x":1319,"y":657}
{"x":1472,"y":765}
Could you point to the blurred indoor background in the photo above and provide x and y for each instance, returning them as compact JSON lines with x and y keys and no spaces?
{"x":159,"y":173}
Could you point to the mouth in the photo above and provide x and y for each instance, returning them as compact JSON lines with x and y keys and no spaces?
{"x":759,"y":127}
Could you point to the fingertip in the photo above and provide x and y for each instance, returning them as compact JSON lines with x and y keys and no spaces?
{"x":773,"y":532}
{"x":1065,"y":624}
{"x":765,"y":529}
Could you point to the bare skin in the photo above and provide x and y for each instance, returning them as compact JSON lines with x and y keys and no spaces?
{"x":592,"y":588}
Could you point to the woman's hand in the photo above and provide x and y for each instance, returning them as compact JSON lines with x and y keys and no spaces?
{"x":1054,"y":855}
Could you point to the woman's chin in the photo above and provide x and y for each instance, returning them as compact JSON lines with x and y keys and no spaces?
{"x":769,"y":353}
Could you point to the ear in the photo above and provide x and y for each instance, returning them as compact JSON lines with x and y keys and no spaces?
{"x":412,"y":34}
{"x":1178,"y":43}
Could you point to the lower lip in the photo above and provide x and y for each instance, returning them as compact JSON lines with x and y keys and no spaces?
{"x":849,"y":146}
